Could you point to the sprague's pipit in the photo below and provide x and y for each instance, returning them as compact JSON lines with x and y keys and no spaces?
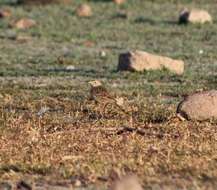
{"x":100,"y":95}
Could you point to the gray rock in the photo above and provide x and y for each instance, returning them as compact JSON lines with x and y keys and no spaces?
{"x":141,"y":61}
{"x":5,"y":186}
{"x":70,"y":68}
{"x":194,"y":16}
{"x":200,"y":106}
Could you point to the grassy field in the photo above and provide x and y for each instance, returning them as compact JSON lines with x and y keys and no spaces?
{"x":52,"y":133}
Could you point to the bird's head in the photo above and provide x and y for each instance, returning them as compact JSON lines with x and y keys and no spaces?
{"x":95,"y":83}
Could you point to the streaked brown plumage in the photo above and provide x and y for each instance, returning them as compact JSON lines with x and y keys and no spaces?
{"x":101,"y":96}
{"x":99,"y":93}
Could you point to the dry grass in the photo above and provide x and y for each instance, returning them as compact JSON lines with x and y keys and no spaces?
{"x":75,"y":138}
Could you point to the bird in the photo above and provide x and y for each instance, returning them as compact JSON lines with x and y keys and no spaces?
{"x":100,"y":95}
{"x":99,"y":92}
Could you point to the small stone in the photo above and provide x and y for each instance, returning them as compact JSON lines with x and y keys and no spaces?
{"x":141,"y":61}
{"x":130,"y":182}
{"x":119,"y":2}
{"x":77,"y":183}
{"x":70,"y":68}
{"x":5,"y":13}
{"x":25,"y":23}
{"x":201,"y":51}
{"x":194,"y":16}
{"x":102,"y":53}
{"x":84,"y":10}
{"x":199,"y":106}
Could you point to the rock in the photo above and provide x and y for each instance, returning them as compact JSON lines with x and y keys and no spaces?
{"x":141,"y":61}
{"x":194,"y":16}
{"x":200,"y":106}
{"x":5,"y":13}
{"x":201,"y":51}
{"x":70,"y":68}
{"x":127,"y":183}
{"x":102,"y":53}
{"x":84,"y":10}
{"x":25,"y":23}
{"x":119,"y":2}
{"x":77,"y":183}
